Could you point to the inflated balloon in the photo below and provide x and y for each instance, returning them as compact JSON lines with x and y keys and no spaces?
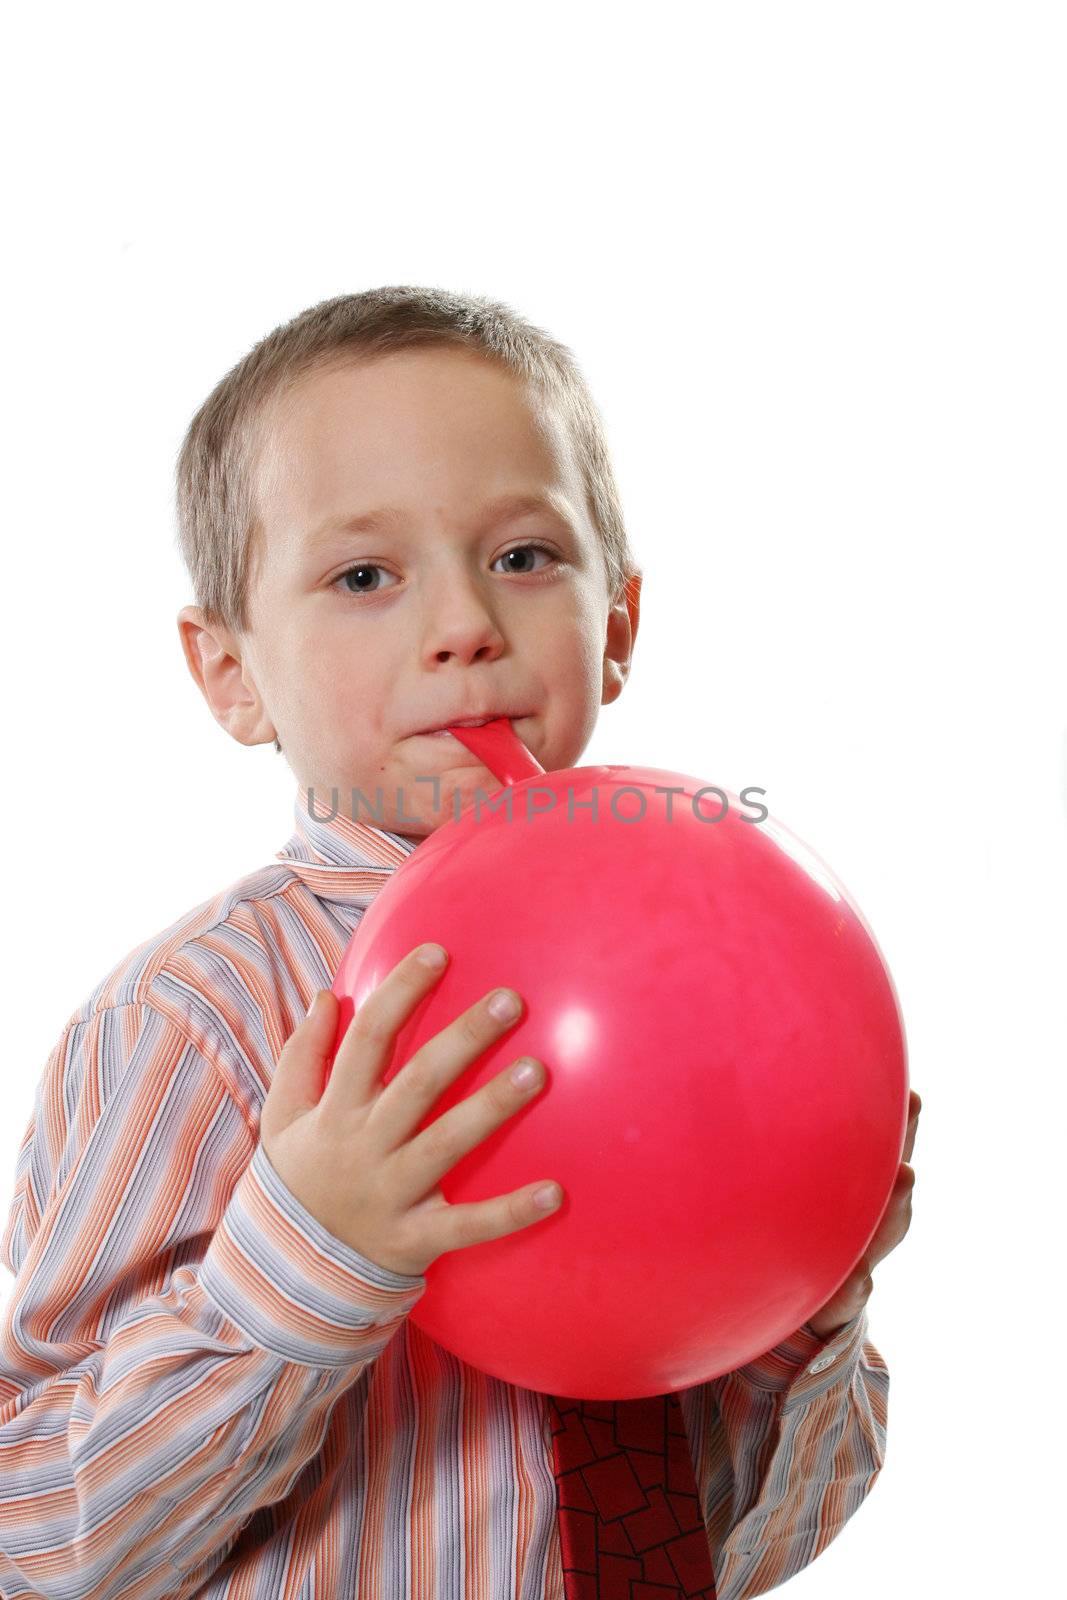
{"x":726,"y":1096}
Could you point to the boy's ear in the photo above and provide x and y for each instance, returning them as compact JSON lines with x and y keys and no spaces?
{"x":215,"y":661}
{"x":623,"y":618}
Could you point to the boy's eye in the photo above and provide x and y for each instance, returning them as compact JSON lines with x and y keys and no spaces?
{"x":520,"y":549}
{"x":363,"y":583}
{"x":359,"y":574}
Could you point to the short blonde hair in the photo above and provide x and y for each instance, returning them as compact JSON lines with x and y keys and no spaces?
{"x":218,"y":524}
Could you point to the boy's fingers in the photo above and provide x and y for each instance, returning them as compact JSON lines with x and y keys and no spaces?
{"x":369,"y":1040}
{"x":298,"y":1075}
{"x":914,"y":1107}
{"x":896,"y":1219}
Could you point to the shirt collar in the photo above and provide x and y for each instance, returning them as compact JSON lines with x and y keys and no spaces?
{"x":340,"y":859}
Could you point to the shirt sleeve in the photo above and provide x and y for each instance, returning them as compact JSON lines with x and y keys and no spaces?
{"x":785,"y":1449}
{"x":179,"y":1328}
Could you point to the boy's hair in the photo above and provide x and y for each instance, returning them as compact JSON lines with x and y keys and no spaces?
{"x":218,"y":522}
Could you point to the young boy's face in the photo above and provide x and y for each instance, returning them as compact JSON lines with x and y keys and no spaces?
{"x":359,"y":638}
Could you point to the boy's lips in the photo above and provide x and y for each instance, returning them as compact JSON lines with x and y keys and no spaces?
{"x":461,"y":722}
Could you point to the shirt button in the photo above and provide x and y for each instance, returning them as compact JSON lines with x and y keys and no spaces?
{"x":822,"y":1363}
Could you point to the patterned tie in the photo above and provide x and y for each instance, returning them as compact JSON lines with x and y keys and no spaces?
{"x":630,"y":1523}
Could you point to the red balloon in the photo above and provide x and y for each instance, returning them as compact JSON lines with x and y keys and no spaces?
{"x":727,"y":1091}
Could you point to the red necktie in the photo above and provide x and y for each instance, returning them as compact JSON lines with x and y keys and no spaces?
{"x":630,"y":1523}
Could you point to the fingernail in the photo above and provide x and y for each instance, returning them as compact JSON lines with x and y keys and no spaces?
{"x":503,"y":1006}
{"x":547,"y":1196}
{"x":432,"y":955}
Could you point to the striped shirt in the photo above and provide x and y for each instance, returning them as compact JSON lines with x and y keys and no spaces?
{"x":204,"y":1392}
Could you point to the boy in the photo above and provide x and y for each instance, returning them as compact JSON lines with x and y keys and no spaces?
{"x":209,"y":1383}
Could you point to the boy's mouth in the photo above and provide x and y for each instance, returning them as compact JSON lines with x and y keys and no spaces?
{"x":442,"y":732}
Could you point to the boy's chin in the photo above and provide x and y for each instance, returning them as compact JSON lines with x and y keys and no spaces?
{"x":455,"y":791}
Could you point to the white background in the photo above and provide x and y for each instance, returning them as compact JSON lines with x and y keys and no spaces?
{"x":812,"y":261}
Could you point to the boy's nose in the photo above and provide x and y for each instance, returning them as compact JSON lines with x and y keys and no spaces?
{"x":481,"y":652}
{"x":463,"y":627}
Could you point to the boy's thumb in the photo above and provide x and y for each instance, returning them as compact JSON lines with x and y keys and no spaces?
{"x":300,"y":1073}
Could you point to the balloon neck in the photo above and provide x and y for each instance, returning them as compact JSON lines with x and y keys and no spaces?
{"x":498,"y":747}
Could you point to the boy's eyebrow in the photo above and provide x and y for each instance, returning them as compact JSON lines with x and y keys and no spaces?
{"x":505,"y":508}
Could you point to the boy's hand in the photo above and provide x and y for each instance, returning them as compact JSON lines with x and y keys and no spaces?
{"x":347,"y":1152}
{"x":854,"y":1293}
